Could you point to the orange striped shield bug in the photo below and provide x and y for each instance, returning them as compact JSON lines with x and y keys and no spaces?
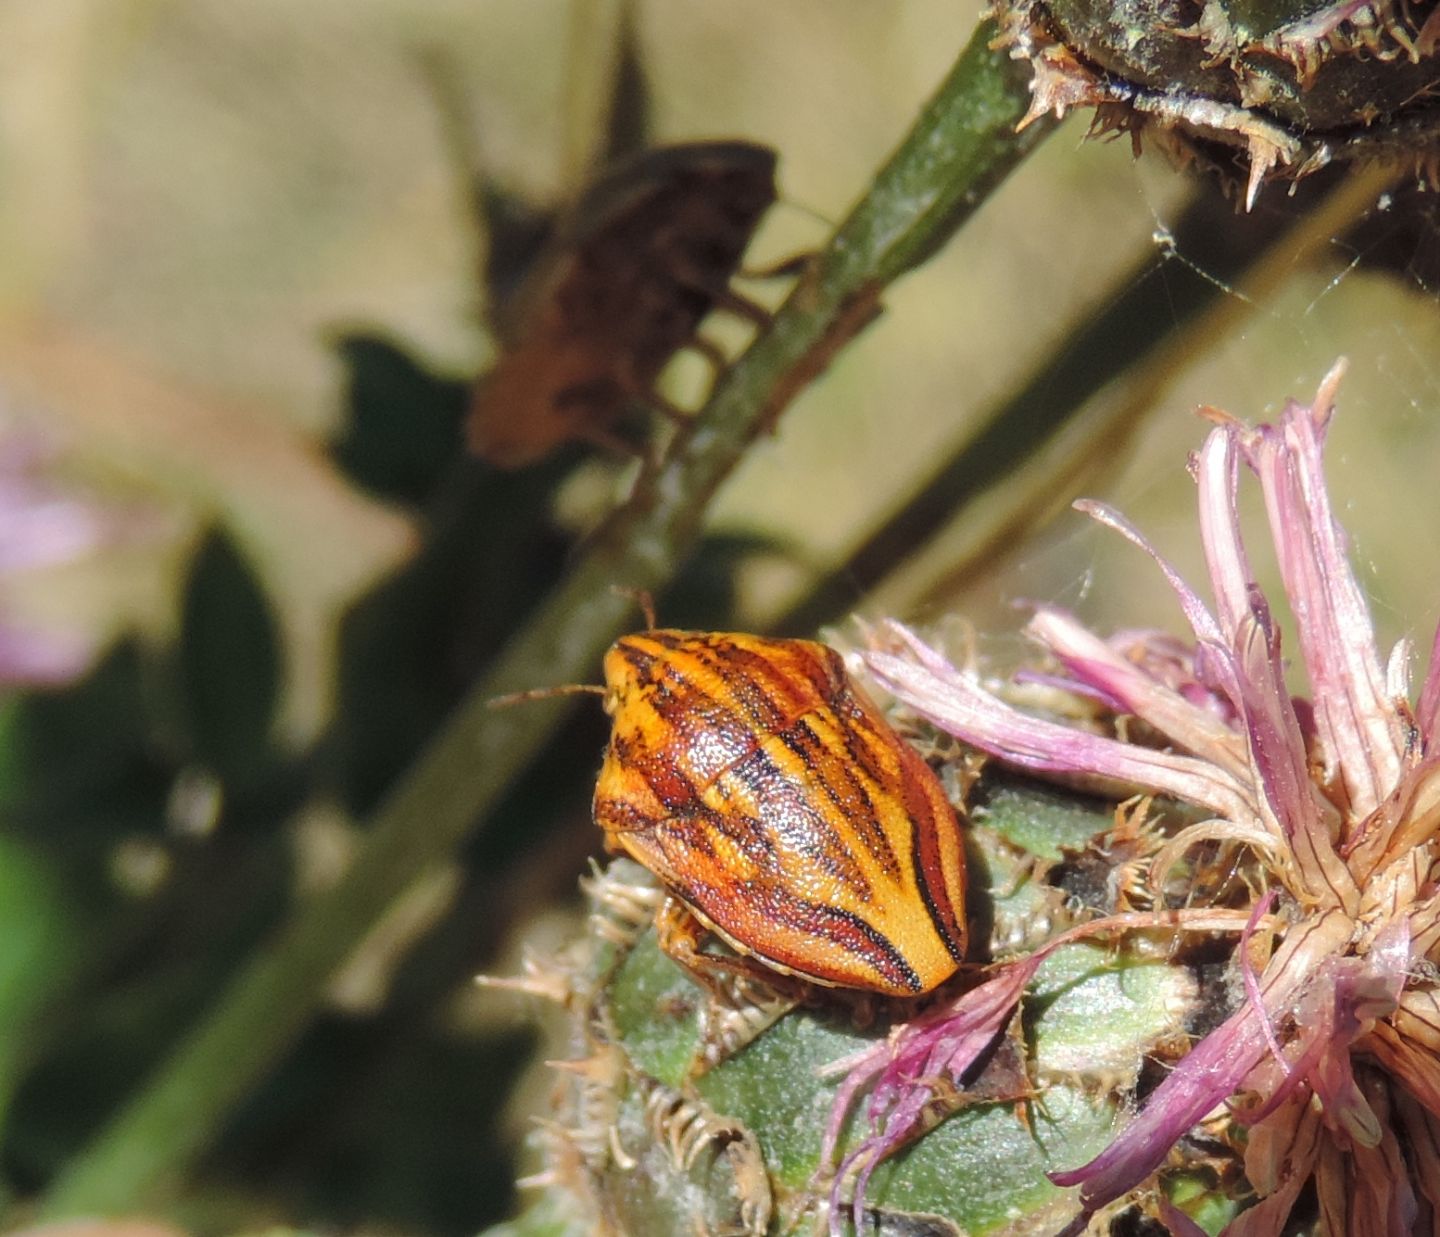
{"x":781,"y":811}
{"x":634,"y":267}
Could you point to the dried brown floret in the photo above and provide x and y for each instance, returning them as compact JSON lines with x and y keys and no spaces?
{"x":1347,"y":81}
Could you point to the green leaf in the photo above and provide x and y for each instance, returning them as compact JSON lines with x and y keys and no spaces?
{"x":982,"y":1168}
{"x":1037,"y":818}
{"x":553,"y":1214}
{"x":85,"y":758}
{"x":230,"y":664}
{"x":657,"y":1011}
{"x":404,"y":423}
{"x":1095,"y":1009}
{"x":40,"y":926}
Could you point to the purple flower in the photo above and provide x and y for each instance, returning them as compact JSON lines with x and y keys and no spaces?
{"x":1332,"y":1060}
{"x":42,"y":525}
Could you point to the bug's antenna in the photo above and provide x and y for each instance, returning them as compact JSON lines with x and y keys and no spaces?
{"x":642,"y":598}
{"x":544,"y":693}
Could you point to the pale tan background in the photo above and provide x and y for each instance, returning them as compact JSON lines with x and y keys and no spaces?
{"x":198,"y":194}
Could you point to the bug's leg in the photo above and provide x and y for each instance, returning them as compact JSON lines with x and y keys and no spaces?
{"x":786,"y":268}
{"x":639,"y":387}
{"x":607,"y":440}
{"x":722,"y":295}
{"x":680,"y":935}
{"x":745,"y":996}
{"x":671,"y":411}
{"x":742,"y":306}
{"x":588,"y":412}
{"x":713,"y":354}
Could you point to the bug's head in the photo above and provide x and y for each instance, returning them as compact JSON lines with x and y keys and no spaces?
{"x":625,"y":671}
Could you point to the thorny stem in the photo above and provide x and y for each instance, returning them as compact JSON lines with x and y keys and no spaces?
{"x":960,"y":148}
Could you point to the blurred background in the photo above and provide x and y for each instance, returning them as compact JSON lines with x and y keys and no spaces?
{"x":249,"y":258}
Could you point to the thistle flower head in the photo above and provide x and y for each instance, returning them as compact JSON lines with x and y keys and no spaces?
{"x":1332,"y":1059}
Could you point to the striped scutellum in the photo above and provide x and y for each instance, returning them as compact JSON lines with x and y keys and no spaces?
{"x":782,"y":812}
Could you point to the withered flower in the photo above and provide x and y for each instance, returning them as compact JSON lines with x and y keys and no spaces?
{"x":1331,"y":1062}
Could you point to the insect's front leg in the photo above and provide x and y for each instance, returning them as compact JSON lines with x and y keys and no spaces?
{"x":681,"y":935}
{"x":713,"y":355}
{"x":639,"y":381}
{"x":746,"y":997}
{"x":742,"y":307}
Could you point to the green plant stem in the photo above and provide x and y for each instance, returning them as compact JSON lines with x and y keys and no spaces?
{"x":960,"y":148}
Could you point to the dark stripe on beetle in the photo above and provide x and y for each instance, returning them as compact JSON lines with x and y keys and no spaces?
{"x":665,"y":637}
{"x":619,"y":816}
{"x":943,"y":919}
{"x":875,"y":755}
{"x":681,"y":757}
{"x":785,"y":809}
{"x":639,"y":661}
{"x":678,"y":716}
{"x":763,"y":690}
{"x":882,"y":956}
{"x":688,"y":715}
{"x":745,"y":831}
{"x":752,"y":688}
{"x":682,"y":852}
{"x":852,"y":935}
{"x":680,"y":702}
{"x":667,"y":781}
{"x":865,"y":742}
{"x":663,"y":679}
{"x":780,"y":681}
{"x":927,"y":820}
{"x":776,"y":665}
{"x":862,"y":764}
{"x":851,"y":799}
{"x":673,"y":852}
{"x":868,"y":737}
{"x":808,"y":676}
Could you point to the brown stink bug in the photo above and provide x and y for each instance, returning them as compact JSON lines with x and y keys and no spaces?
{"x":643,"y":257}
